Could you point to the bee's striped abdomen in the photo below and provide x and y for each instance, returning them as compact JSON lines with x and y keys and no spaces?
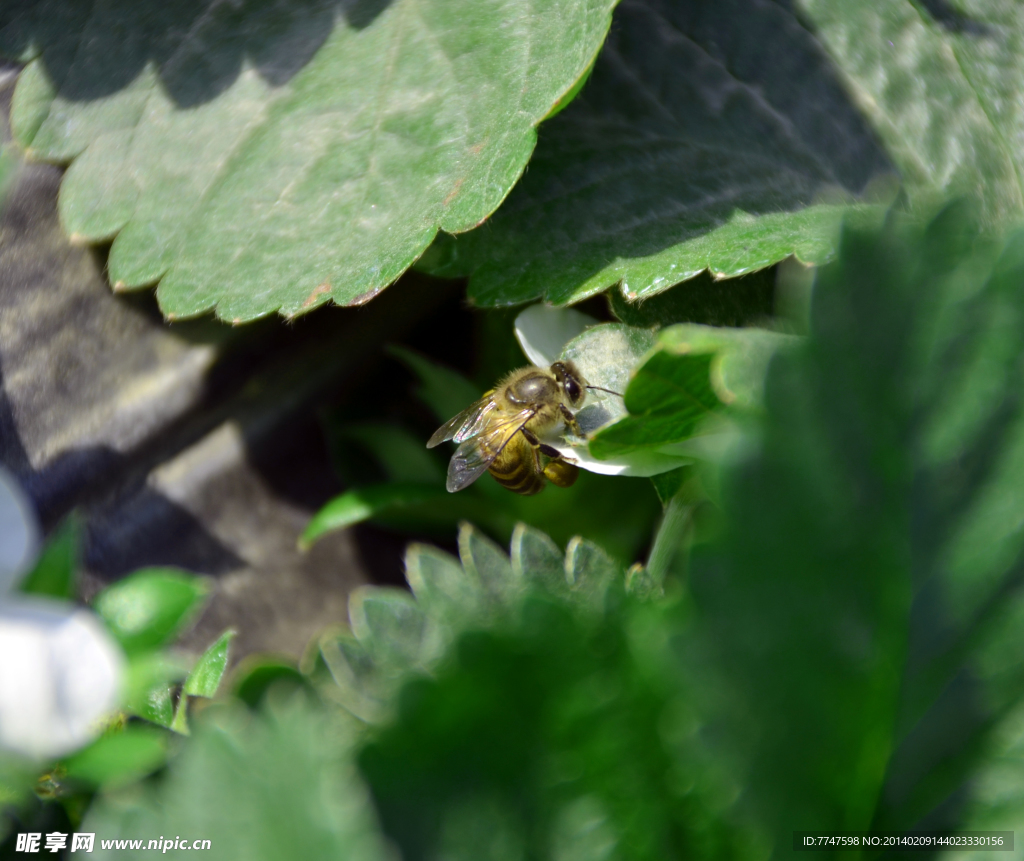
{"x":515,"y":467}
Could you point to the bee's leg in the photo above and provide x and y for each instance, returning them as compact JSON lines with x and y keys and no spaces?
{"x":558,"y":470}
{"x":570,"y":420}
{"x":536,"y":447}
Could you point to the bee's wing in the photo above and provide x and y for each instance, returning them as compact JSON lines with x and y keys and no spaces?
{"x":475,"y":454}
{"x":466,"y":424}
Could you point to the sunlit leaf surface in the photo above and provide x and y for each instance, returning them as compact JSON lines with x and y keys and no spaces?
{"x":941,"y":83}
{"x":261,"y":157}
{"x":710,"y":136}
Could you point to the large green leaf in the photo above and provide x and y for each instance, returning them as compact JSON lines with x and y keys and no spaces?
{"x":555,"y":738}
{"x":710,"y":136}
{"x":861,"y":615}
{"x":257,"y":157}
{"x":942,"y":84}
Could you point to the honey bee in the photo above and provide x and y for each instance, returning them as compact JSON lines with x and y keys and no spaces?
{"x":501,"y":431}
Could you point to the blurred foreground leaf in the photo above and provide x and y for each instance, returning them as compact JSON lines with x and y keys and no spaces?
{"x":395,"y":634}
{"x":860,"y":618}
{"x":148,"y":685}
{"x":275,"y":785}
{"x":257,"y":674}
{"x":120,"y":757}
{"x":276,"y":157}
{"x":997,"y":791}
{"x":554,"y":738}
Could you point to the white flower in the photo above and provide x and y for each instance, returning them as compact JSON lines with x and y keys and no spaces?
{"x":60,"y":671}
{"x":606,"y":356}
{"x":61,"y":676}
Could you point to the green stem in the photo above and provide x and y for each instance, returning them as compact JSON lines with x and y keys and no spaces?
{"x":671,"y":531}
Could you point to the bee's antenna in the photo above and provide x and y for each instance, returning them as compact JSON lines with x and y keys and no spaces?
{"x":600,"y":389}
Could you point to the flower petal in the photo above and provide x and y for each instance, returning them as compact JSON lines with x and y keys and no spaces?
{"x":640,"y":463}
{"x":543,"y":331}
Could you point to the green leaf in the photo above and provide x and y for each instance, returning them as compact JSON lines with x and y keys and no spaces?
{"x":151,"y":607}
{"x":536,"y":557}
{"x":695,"y":370}
{"x":445,"y":391}
{"x":119,"y":758}
{"x":55,"y":570}
{"x":148,"y":686}
{"x":275,"y":158}
{"x":355,"y":506}
{"x":743,"y":301}
{"x":642,"y":584}
{"x":257,"y":674}
{"x":279,"y":784}
{"x":997,"y":799}
{"x":556,"y":738}
{"x":390,"y":626}
{"x":709,"y":136}
{"x":859,"y":616}
{"x":487,"y":564}
{"x":566,"y":100}
{"x":668,"y":399}
{"x":589,"y":570}
{"x":396,"y":634}
{"x":618,"y":512}
{"x":938,"y":86}
{"x":18,"y":775}
{"x":360,"y":685}
{"x":744,"y":356}
{"x":441,"y":586}
{"x":204,"y":678}
{"x":668,"y":484}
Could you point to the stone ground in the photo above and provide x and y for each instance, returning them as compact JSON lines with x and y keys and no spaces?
{"x":194,"y":444}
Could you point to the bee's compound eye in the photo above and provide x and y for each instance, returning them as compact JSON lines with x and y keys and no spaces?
{"x":573,"y":390}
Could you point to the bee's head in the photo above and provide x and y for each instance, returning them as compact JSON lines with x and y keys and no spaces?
{"x":570,"y":381}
